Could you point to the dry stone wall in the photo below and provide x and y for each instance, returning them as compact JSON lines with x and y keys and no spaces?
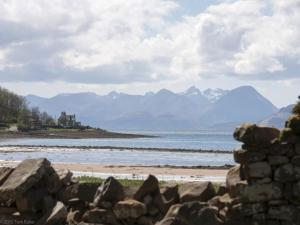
{"x":267,"y":179}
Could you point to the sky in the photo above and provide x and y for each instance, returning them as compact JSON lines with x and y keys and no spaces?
{"x":136,"y":46}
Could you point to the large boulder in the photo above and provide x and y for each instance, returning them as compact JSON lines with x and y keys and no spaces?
{"x":253,"y":135}
{"x":196,"y":191}
{"x":149,"y":187}
{"x":84,"y":191}
{"x":129,"y":209}
{"x":26,"y":175}
{"x":100,"y":216}
{"x":109,"y":193}
{"x":194,"y":213}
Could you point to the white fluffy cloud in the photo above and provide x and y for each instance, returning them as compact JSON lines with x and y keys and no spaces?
{"x":116,"y":41}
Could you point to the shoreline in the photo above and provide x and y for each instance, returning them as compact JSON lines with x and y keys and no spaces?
{"x":70,"y":134}
{"x":139,"y":172}
{"x":86,"y":148}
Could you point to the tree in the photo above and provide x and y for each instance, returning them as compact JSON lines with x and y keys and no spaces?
{"x":24,"y":120}
{"x":46,"y":120}
{"x":14,"y":109}
{"x":296,"y":109}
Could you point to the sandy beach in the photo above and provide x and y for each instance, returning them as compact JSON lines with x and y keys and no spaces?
{"x":137,"y":172}
{"x":163,"y":172}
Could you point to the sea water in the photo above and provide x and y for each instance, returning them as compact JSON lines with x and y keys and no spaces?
{"x":218,"y":141}
{"x":201,"y":140}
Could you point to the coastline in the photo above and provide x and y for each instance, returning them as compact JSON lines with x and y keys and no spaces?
{"x":69,"y":134}
{"x":166,"y":173}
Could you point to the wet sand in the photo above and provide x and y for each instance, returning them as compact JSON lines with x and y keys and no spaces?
{"x":138,"y":172}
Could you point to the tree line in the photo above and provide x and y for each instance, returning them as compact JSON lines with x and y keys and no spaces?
{"x":14,"y":110}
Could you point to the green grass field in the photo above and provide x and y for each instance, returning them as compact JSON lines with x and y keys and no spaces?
{"x":124,"y":182}
{"x":130,"y":183}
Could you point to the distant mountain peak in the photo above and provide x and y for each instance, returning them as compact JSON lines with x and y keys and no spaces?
{"x":192,"y":91}
{"x":214,"y":95}
{"x":114,"y":94}
{"x":164,"y":92}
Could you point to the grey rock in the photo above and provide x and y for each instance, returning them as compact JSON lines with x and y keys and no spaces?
{"x":277,"y":160}
{"x":4,"y":173}
{"x":234,"y":180}
{"x":149,"y":187}
{"x":265,"y":180}
{"x":296,"y":160}
{"x":254,"y":208}
{"x":31,"y":201}
{"x":110,"y":191}
{"x":55,"y":216}
{"x":26,"y":174}
{"x":258,"y":170}
{"x":254,"y":135}
{"x":285,"y":173}
{"x":193,"y":212}
{"x":284,"y":212}
{"x":244,"y":156}
{"x":297,"y":148}
{"x":261,"y":192}
{"x":100,"y":216}
{"x":129,"y":209}
{"x":196,"y":191}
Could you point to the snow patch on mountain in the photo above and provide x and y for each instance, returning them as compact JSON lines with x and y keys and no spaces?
{"x":214,"y":95}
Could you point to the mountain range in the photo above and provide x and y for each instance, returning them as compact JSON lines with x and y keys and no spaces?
{"x":164,"y":110}
{"x":278,"y":118}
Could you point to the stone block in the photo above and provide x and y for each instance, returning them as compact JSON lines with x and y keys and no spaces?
{"x":285,"y":173}
{"x":243,"y":156}
{"x":254,"y":135}
{"x":277,"y":160}
{"x":258,"y":170}
{"x":261,"y":192}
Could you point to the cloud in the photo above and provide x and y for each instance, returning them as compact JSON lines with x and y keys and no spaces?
{"x":114,"y":42}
